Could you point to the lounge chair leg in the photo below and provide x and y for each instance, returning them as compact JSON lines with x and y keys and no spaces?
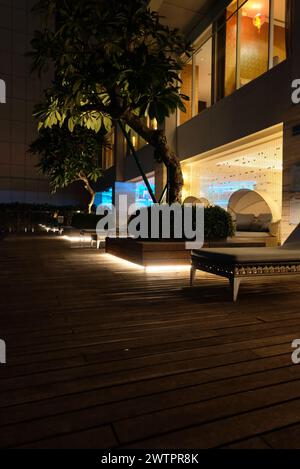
{"x":193,"y":276}
{"x":235,"y":286}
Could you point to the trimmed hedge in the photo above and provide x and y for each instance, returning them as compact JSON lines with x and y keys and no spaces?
{"x":19,"y":207}
{"x":17,"y":217}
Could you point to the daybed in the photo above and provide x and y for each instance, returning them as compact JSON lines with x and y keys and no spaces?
{"x":259,"y":228}
{"x":256,"y":216}
{"x":238,"y":263}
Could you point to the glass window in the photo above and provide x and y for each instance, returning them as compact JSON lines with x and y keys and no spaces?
{"x":202,"y":67}
{"x":136,"y":191}
{"x":202,"y":77}
{"x":281,"y":32}
{"x":254,"y":40}
{"x":231,"y":45}
{"x":104,"y":198}
{"x":257,"y":166}
{"x":248,"y":38}
{"x":186,"y":88}
{"x":142,"y":196}
{"x":226,"y":52}
{"x":108,"y":153}
{"x":138,"y":141}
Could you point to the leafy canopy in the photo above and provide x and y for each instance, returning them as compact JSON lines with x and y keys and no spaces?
{"x":111,"y":58}
{"x":67,"y":157}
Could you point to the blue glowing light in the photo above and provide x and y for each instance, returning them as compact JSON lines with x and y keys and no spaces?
{"x":142,"y":196}
{"x":104,"y":198}
{"x":219,"y":193}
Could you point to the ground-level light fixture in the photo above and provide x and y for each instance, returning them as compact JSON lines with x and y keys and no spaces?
{"x":78,"y":239}
{"x":151,"y":269}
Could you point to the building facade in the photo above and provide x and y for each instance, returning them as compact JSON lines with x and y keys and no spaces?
{"x":20,"y":180}
{"x":241,"y":129}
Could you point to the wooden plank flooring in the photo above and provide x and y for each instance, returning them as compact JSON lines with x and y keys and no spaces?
{"x":103,"y":355}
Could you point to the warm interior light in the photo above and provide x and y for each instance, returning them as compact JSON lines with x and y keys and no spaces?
{"x":186,"y":172}
{"x":259,"y":21}
{"x":252,"y":7}
{"x":134,"y":141}
{"x":255,"y":6}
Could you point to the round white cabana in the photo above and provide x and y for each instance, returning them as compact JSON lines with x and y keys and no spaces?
{"x":247,"y":201}
{"x":195,"y":200}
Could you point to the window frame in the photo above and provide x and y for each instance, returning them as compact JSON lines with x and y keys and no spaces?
{"x":215,"y":29}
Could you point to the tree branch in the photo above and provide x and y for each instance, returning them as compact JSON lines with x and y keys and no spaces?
{"x":89,"y":188}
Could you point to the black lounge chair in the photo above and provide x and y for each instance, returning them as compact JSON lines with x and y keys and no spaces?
{"x":239,"y":263}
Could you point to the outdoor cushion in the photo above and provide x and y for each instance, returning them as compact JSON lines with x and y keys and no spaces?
{"x":244,"y":221}
{"x":248,"y":255}
{"x":252,"y":234}
{"x":262,"y":222}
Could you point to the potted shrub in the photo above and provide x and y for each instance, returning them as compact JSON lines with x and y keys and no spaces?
{"x":218,"y":224}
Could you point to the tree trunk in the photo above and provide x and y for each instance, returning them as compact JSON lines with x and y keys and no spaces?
{"x":90,"y":190}
{"x":92,"y":200}
{"x":162,"y":154}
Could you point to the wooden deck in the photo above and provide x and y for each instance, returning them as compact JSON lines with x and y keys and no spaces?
{"x":101,"y":355}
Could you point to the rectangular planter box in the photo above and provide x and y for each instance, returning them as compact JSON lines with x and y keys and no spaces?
{"x":158,"y":253}
{"x":147,"y":253}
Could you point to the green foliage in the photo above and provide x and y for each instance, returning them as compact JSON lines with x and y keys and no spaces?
{"x":66,"y":157}
{"x":16,"y":217}
{"x":110,"y":58}
{"x":218,"y":223}
{"x":18,"y":207}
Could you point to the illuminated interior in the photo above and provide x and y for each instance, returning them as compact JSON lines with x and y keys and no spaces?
{"x":142,"y":196}
{"x":250,"y":38}
{"x":108,"y":152}
{"x":136,"y":191}
{"x":104,"y":198}
{"x":256,"y":166}
{"x":203,"y":75}
{"x":187,"y":90}
{"x":137,"y":141}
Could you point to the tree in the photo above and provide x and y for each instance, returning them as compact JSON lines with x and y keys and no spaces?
{"x":114,"y":63}
{"x":66,"y":157}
